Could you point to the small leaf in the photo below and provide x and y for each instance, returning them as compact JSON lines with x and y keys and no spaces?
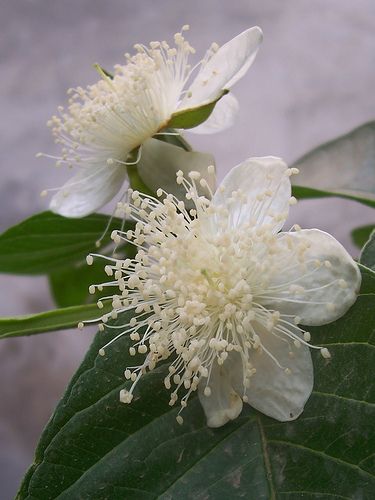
{"x":368,"y":253}
{"x":47,"y":241}
{"x":96,"y":447}
{"x":58,"y":319}
{"x":192,"y":117}
{"x":361,"y":234}
{"x":70,"y":286}
{"x":344,"y":167}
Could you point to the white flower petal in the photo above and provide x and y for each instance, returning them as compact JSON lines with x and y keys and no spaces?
{"x":224,"y":404}
{"x":160,"y":161}
{"x":88,"y":190}
{"x":225,"y":68}
{"x":265,"y":184}
{"x":329,"y":277}
{"x":221,"y":118}
{"x":273,"y":391}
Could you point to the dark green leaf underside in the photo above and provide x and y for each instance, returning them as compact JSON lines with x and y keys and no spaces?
{"x":96,"y":447}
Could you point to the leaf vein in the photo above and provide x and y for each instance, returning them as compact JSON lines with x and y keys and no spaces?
{"x":325,"y":455}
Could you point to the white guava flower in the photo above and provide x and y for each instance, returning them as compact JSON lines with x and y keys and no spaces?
{"x":222,"y":292}
{"x":105,"y":123}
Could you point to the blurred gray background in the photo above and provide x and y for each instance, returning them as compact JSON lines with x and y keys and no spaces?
{"x":314,"y":78}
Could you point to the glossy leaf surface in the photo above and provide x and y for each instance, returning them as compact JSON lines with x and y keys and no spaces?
{"x":96,"y":447}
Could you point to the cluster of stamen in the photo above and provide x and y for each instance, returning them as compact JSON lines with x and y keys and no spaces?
{"x":106,"y":121}
{"x":200,"y":291}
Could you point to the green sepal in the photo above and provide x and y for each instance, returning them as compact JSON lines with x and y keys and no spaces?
{"x":103,"y":72}
{"x":171,"y":136}
{"x":192,"y":117}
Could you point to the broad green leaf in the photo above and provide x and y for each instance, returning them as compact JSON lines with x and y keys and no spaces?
{"x":361,"y":234}
{"x":343,"y":167}
{"x":70,"y":286}
{"x":58,"y":319}
{"x":368,"y":253}
{"x":192,"y":117}
{"x":96,"y":447}
{"x":368,"y":280}
{"x":47,"y":241}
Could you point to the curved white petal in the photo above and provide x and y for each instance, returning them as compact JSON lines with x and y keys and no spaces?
{"x":273,"y":391}
{"x":315,"y":278}
{"x":221,"y":118}
{"x":88,"y":190}
{"x":224,"y":68}
{"x":264,"y":184}
{"x":160,"y":161}
{"x":223,"y":404}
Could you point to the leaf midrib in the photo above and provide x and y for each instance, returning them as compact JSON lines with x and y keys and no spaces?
{"x":266,"y":459}
{"x":246,"y":421}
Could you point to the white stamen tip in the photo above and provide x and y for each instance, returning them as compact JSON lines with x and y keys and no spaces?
{"x":325,"y":353}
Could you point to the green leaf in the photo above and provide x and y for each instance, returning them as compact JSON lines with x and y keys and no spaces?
{"x":303,"y":192}
{"x":368,"y":280}
{"x":58,"y":319}
{"x":70,"y":286}
{"x":192,"y":117}
{"x":47,"y":241}
{"x":361,"y":234}
{"x":368,"y":253}
{"x":96,"y":447}
{"x":136,"y":181}
{"x":171,"y":136}
{"x":344,"y":167}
